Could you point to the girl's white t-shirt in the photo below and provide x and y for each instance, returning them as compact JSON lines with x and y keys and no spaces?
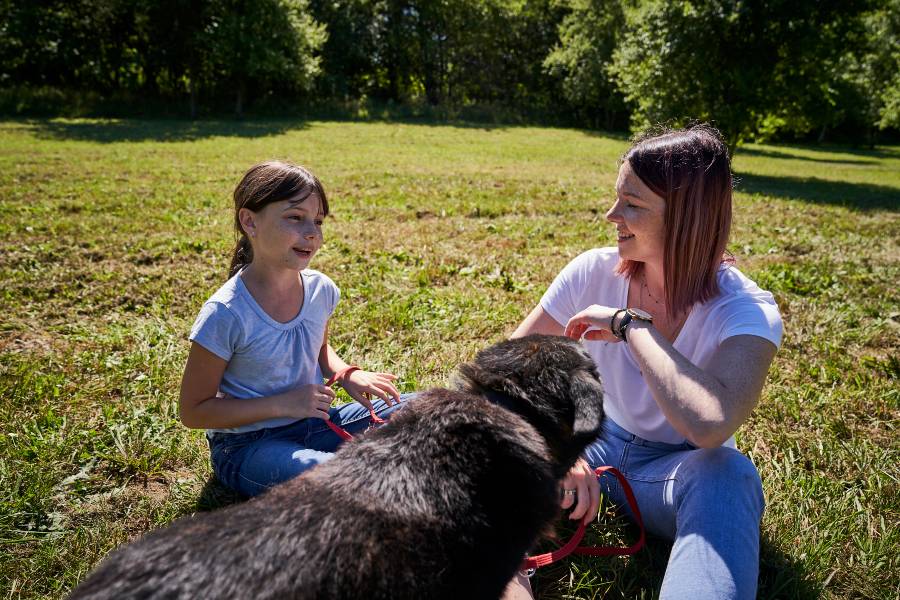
{"x":741,"y":308}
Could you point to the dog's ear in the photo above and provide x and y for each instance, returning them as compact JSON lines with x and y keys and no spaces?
{"x":587,"y":400}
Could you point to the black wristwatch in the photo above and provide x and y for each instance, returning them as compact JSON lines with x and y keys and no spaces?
{"x":630,"y":315}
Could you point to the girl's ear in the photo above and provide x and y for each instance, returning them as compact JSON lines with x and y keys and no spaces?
{"x":247,"y":219}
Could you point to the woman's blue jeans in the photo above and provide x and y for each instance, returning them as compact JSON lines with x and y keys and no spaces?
{"x":708,"y":501}
{"x":252,"y":462}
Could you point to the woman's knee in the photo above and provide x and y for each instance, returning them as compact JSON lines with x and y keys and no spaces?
{"x":723,"y":472}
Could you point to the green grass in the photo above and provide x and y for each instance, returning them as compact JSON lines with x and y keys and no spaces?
{"x":112,"y":233}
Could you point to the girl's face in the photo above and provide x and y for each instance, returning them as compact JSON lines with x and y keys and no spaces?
{"x":639,"y":216}
{"x":286,"y":233}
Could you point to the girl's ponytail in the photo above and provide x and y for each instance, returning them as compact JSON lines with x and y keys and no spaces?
{"x":241,"y":256}
{"x":263,"y":184}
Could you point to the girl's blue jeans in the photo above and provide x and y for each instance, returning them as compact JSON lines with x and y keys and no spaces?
{"x":708,"y":501}
{"x":252,"y":462}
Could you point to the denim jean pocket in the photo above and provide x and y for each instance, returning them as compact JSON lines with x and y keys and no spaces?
{"x":646,"y":464}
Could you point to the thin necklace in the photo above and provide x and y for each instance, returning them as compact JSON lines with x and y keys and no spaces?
{"x":647,"y":287}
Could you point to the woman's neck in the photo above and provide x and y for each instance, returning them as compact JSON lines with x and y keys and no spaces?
{"x":655,"y":280}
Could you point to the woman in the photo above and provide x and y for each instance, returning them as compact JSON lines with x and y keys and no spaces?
{"x":682,"y":367}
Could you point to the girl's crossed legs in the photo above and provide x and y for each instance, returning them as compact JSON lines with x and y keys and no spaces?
{"x":252,"y":462}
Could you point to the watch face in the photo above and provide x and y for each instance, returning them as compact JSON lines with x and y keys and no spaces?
{"x":639,"y":313}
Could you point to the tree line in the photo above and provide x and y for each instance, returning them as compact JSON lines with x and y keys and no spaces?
{"x":758,"y":68}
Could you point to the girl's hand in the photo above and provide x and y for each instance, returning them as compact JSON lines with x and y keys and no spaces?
{"x":581,"y":486}
{"x":309,"y":401}
{"x":597,"y":317}
{"x":361,"y":385}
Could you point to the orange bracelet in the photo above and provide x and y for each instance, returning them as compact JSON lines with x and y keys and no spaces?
{"x":340,"y":375}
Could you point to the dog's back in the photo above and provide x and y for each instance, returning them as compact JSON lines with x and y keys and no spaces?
{"x":442,"y":502}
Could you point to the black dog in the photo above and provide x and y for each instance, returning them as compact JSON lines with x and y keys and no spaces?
{"x":442,"y":502}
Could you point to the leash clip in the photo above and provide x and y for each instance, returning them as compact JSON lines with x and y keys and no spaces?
{"x":528,"y":573}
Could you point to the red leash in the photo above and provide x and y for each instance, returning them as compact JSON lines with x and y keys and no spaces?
{"x":572,"y":547}
{"x":343,"y":433}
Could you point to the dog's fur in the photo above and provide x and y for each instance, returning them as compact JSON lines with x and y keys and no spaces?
{"x":442,"y":502}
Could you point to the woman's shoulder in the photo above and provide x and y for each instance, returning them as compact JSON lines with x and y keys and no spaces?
{"x":597,"y":258}
{"x":734,"y":285}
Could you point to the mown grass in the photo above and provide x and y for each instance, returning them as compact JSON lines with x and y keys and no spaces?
{"x":114,"y":232}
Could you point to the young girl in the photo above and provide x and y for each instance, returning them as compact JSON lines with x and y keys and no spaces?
{"x":259,"y":352}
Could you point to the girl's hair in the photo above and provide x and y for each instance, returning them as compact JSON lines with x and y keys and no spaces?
{"x":691,"y":170}
{"x":262,"y":184}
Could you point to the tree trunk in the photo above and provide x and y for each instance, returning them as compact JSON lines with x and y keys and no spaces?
{"x":192,"y":90}
{"x":239,"y":101}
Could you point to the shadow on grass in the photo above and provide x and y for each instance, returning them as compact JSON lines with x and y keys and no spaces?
{"x":780,"y":576}
{"x":641,"y":575}
{"x":861,"y":196}
{"x":130,"y":130}
{"x":873,"y":155}
{"x":215,"y":495}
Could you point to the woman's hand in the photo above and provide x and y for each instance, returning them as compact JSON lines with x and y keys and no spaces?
{"x":597,"y":319}
{"x":581,"y":488}
{"x":362,"y":385}
{"x":307,"y":401}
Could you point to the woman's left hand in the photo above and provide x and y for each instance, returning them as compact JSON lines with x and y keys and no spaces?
{"x":597,"y":319}
{"x":361,"y":385}
{"x":581,"y":480}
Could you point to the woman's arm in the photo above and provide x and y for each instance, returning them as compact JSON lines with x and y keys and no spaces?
{"x":538,"y":321}
{"x":358,"y":383}
{"x":704,"y":405}
{"x":201,"y":407}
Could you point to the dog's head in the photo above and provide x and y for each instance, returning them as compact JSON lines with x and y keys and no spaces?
{"x":551,"y":381}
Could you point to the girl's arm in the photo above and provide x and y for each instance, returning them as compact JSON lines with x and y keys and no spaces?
{"x":201,"y":406}
{"x":358,"y":383}
{"x":704,"y":405}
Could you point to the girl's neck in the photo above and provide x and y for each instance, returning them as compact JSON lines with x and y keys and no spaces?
{"x":275,"y":281}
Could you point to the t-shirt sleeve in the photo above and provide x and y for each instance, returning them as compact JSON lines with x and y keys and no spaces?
{"x":564,"y":296}
{"x":216,"y":329}
{"x":754,"y":315}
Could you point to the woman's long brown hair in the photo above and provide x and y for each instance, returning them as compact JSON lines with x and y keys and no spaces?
{"x":691,"y":170}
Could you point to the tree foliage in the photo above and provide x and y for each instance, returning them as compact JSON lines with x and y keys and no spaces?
{"x":757,"y":68}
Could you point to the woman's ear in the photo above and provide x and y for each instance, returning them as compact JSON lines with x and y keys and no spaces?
{"x":247,"y":219}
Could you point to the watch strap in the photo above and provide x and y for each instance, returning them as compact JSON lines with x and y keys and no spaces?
{"x":616,"y":331}
{"x":623,"y":327}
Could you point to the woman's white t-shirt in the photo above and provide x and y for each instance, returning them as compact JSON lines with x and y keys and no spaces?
{"x":741,"y":308}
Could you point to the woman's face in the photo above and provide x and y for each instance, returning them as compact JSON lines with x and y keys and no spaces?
{"x":639,"y":216}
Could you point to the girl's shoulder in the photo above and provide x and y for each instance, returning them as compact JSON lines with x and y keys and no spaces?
{"x":228,"y":294}
{"x":315,"y":279}
{"x":320,"y":290}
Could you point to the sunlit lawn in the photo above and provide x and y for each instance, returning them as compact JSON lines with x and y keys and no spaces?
{"x":113,"y":233}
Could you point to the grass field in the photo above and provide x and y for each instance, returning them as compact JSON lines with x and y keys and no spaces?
{"x":112,"y":234}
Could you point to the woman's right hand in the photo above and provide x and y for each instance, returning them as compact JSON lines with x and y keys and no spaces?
{"x":307,"y":401}
{"x":593,"y":323}
{"x":581,"y":492}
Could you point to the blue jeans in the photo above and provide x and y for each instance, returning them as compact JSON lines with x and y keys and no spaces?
{"x":708,"y":501}
{"x":252,"y":462}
